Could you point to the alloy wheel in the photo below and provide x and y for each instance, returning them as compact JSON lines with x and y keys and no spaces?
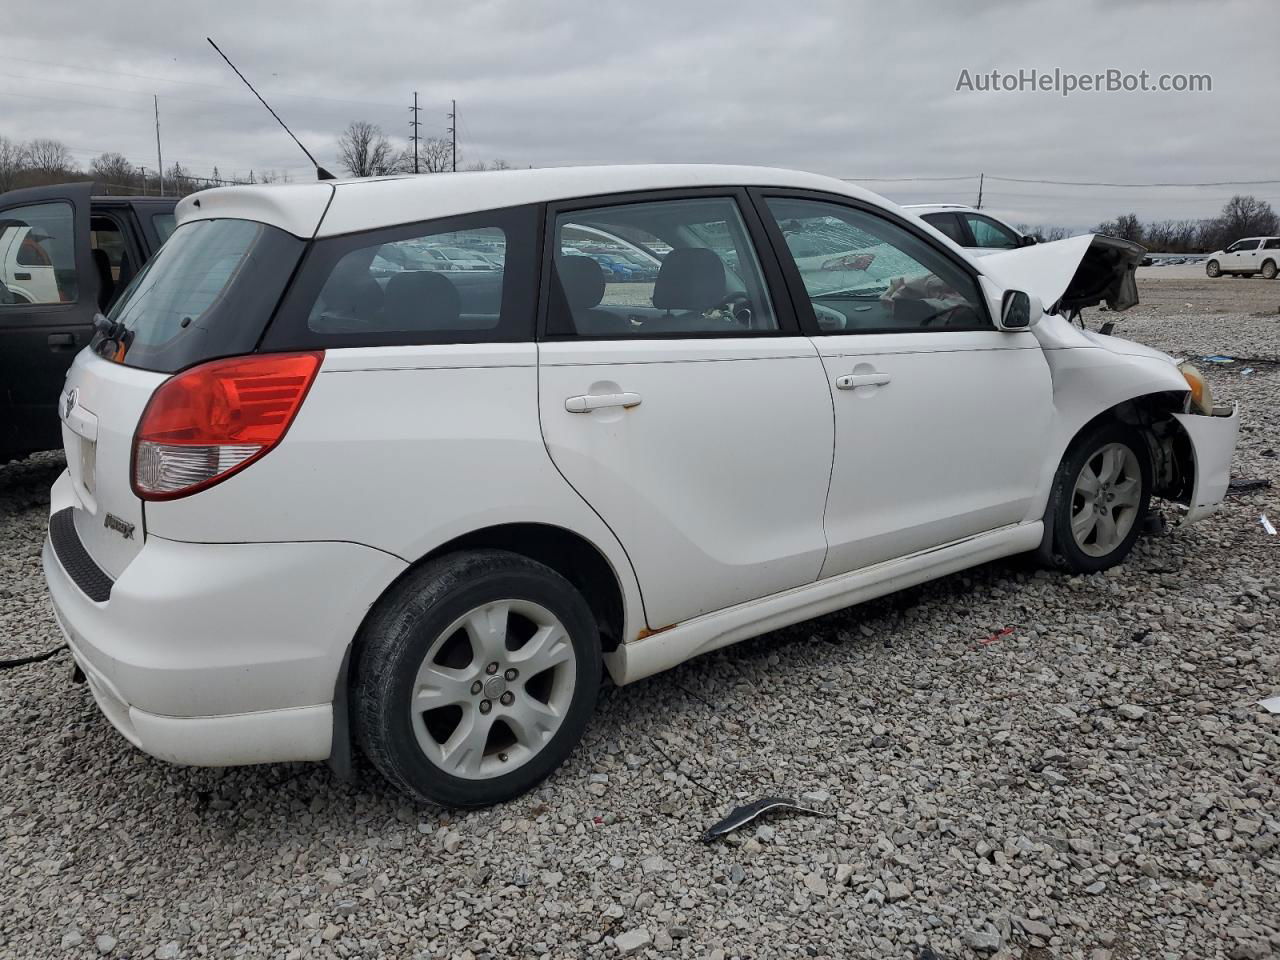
{"x":1106,"y":499}
{"x":493,"y":689}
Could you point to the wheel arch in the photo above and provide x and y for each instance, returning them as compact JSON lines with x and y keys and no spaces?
{"x":1169,"y":447}
{"x":570,"y":554}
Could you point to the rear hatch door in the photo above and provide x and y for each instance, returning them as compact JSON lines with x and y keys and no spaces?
{"x":208,"y":293}
{"x":100,"y":407}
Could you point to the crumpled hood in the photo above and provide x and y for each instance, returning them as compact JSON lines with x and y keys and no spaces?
{"x":1071,"y":274}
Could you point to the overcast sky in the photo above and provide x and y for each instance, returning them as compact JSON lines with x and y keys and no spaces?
{"x":851,"y":89}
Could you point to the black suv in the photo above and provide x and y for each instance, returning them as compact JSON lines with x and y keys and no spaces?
{"x":65,"y":256}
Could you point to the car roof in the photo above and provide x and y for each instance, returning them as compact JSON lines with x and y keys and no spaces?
{"x":350,"y":206}
{"x":937,"y":207}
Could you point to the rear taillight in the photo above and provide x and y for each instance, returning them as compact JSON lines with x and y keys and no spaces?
{"x":208,"y":422}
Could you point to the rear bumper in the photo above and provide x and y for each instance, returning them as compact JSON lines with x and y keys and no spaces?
{"x":265,"y":736}
{"x":1213,"y":441}
{"x":219,"y":654}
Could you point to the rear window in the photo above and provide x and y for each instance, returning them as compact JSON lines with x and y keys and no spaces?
{"x":208,"y":292}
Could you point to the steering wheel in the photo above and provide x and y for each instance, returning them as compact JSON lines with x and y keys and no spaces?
{"x":945,"y":314}
{"x":737,"y":306}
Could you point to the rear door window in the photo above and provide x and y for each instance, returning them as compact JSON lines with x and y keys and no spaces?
{"x":949,"y":224}
{"x":38,"y":255}
{"x":665,"y":268}
{"x":428,"y":282}
{"x":208,"y":292}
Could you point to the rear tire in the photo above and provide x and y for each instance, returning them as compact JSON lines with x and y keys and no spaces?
{"x":429,"y":707}
{"x":1212,"y":269}
{"x":1269,"y":270}
{"x":1099,"y":499}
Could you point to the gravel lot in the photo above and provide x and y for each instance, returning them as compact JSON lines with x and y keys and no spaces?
{"x":1098,"y":783}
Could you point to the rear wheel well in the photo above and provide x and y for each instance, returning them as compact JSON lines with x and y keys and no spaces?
{"x":567,"y":553}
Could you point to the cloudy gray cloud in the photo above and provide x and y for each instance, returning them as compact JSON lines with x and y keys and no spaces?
{"x":863,"y":90}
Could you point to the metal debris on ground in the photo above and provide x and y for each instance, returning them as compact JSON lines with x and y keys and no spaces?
{"x":1271,"y":704}
{"x":740,"y":816}
{"x":1244,"y":486}
{"x":1267,"y":525}
{"x":1002,"y":632}
{"x":34,"y":658}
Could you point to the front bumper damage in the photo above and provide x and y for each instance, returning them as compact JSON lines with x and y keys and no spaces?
{"x":1213,"y":440}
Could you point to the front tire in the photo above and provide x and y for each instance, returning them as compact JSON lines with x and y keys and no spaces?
{"x":475,"y":678}
{"x":1100,"y":495}
{"x":1212,"y":269}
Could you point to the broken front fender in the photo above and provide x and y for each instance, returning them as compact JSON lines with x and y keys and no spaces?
{"x":1071,"y":274}
{"x":1213,"y":440}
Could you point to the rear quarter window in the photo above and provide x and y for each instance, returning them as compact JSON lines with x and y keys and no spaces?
{"x":208,"y":292}
{"x":470,"y":279}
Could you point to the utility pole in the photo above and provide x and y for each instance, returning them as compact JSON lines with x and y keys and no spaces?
{"x":981,"y":177}
{"x":159,"y":160}
{"x":415,"y":124}
{"x":453,"y":132}
{"x":142,"y":172}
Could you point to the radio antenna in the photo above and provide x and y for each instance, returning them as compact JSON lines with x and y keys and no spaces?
{"x":321,"y":172}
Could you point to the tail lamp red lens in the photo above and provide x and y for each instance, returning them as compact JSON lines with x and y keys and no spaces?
{"x":213,"y":420}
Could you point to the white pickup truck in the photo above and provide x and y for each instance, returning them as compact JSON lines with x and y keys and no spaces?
{"x":1247,"y":257}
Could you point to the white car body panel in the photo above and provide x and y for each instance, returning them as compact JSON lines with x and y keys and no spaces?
{"x":106,"y":401}
{"x":661,"y":651}
{"x":1213,"y":439}
{"x":716,"y":480}
{"x":890,"y":497}
{"x":745,"y":491}
{"x":435,"y":438}
{"x":379,"y":201}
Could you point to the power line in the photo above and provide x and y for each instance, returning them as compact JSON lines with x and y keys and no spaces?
{"x":1061,"y":183}
{"x":1090,"y":183}
{"x":195,"y":83}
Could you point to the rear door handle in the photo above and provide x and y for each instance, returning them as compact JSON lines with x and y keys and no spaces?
{"x":59,"y":340}
{"x":852,"y":380}
{"x":597,"y":401}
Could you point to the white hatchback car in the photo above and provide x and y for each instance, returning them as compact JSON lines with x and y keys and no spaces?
{"x":309,"y":508}
{"x":973,"y":229}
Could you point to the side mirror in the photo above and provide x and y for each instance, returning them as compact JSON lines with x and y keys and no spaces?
{"x":1019,"y":310}
{"x":1029,"y":241}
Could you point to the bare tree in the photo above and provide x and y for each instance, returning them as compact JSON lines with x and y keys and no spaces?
{"x":365,"y":151}
{"x":114,"y":172}
{"x":435,"y":155}
{"x":1245,"y":217}
{"x":49,"y":158}
{"x":1126,"y":226}
{"x":13,"y":160}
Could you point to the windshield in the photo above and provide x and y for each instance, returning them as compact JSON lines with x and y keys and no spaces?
{"x":208,"y":292}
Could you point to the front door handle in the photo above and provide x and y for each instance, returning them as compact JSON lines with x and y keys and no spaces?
{"x":60,"y":341}
{"x":597,"y":401}
{"x":852,"y":380}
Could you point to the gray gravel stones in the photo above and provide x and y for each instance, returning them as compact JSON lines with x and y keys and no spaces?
{"x":980,"y":793}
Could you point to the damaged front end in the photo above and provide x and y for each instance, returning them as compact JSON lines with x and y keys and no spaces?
{"x":1070,"y":275}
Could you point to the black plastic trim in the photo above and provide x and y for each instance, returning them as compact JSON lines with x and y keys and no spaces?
{"x":92,"y":580}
